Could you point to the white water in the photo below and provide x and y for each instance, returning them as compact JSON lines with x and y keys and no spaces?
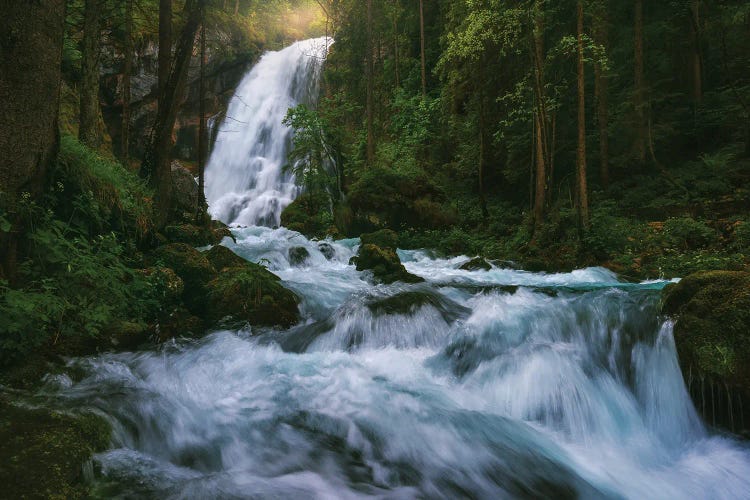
{"x":245,"y":179}
{"x":565,"y":387}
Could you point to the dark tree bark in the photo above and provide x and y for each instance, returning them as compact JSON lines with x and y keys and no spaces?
{"x":422,"y":53}
{"x":165,"y":44}
{"x":157,"y":158}
{"x":88,"y":131}
{"x":126,"y":74}
{"x":601,"y":93}
{"x":697,"y":90}
{"x":540,"y":120}
{"x":202,"y":136}
{"x":370,"y":76}
{"x":31,"y":37}
{"x":583,"y":197}
{"x":639,"y":97}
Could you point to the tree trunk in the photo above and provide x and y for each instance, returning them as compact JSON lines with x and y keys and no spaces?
{"x":482,"y":143}
{"x":583,"y":202}
{"x":540,"y":191}
{"x":697,"y":90}
{"x":639,"y":101}
{"x":126,"y":74}
{"x":601,"y":94}
{"x":370,"y":89}
{"x":422,"y":53}
{"x":396,"y":54}
{"x":29,"y":102}
{"x":165,"y":44}
{"x":202,"y":137}
{"x":236,"y":7}
{"x":157,"y":159}
{"x":88,"y":131}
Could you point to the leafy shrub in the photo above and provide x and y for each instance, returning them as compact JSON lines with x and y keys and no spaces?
{"x":688,"y":234}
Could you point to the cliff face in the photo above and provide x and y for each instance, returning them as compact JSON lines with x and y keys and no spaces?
{"x":224,"y":70}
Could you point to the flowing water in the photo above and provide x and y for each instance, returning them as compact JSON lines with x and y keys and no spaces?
{"x":246,"y":182}
{"x":474,"y":384}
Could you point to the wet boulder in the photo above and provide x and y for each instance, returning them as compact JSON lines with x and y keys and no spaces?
{"x":298,"y":255}
{"x":221,"y":257}
{"x":410,"y":301}
{"x":712,"y":335}
{"x":250,"y":293}
{"x":384,"y":238}
{"x":384,"y":264}
{"x":210,"y":233}
{"x":476,"y":264}
{"x":327,"y":250}
{"x":186,"y":195}
{"x":193,"y":268}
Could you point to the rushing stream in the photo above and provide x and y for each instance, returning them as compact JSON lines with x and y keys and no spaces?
{"x":475,"y":384}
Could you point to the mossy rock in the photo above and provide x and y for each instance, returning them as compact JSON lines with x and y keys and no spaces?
{"x":168,"y":286}
{"x":178,"y":322}
{"x":385,"y":238}
{"x":44,"y":451}
{"x":250,"y":293}
{"x":221,"y":257}
{"x":476,"y":264}
{"x":308,"y":215}
{"x":712,"y":334}
{"x":384,"y":264}
{"x":298,"y":255}
{"x":410,"y":301}
{"x":194,"y":269}
{"x":197,"y":236}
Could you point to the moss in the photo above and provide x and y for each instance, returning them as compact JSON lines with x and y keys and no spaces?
{"x":250,"y":293}
{"x":712,"y":328}
{"x":476,"y":264}
{"x":384,"y":238}
{"x":298,"y":255}
{"x":308,"y":214}
{"x":384,"y":264}
{"x":194,"y":269}
{"x":44,"y":451}
{"x":220,"y":257}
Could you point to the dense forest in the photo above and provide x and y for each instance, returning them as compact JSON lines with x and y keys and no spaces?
{"x":540,"y":136}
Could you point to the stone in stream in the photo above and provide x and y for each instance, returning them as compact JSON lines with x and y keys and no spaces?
{"x":476,"y":264}
{"x":298,"y":256}
{"x":384,"y":264}
{"x":712,"y":336}
{"x":327,"y":250}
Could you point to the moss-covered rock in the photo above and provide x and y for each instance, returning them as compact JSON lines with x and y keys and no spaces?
{"x":250,"y":293}
{"x":221,"y":257}
{"x":308,"y":214}
{"x":384,"y":238}
{"x":194,"y":269}
{"x":210,"y":234}
{"x":298,"y":255}
{"x":43,"y":452}
{"x":384,"y":264}
{"x":712,"y":335}
{"x":476,"y":264}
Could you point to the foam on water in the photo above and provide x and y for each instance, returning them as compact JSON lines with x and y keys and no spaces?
{"x":555,"y":389}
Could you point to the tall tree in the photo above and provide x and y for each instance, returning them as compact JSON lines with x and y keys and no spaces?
{"x":202,"y":136}
{"x":88,"y":131}
{"x":421,"y":48}
{"x":156,"y":162}
{"x":370,"y":77}
{"x":165,"y":44}
{"x":126,"y":84}
{"x":540,"y":115}
{"x":582,"y":188}
{"x":697,"y":63}
{"x":639,"y":92}
{"x":601,"y":88}
{"x":30,"y":53}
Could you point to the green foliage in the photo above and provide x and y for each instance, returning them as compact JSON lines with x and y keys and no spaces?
{"x":687,"y":233}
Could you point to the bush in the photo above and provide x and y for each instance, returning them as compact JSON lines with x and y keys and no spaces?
{"x":687,"y":233}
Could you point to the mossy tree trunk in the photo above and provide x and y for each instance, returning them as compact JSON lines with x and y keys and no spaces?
{"x":88,"y":131}
{"x":31,"y":36}
{"x":583,"y":197}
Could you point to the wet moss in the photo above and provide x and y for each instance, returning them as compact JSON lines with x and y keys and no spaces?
{"x":385,"y":238}
{"x":221,"y":257}
{"x":250,"y":293}
{"x":476,"y":264}
{"x":44,"y":451}
{"x":193,"y":268}
{"x":384,"y":264}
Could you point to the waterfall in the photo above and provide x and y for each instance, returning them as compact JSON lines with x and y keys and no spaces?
{"x":245,"y":178}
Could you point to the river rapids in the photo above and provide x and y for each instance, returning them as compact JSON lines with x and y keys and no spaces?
{"x":474,"y":384}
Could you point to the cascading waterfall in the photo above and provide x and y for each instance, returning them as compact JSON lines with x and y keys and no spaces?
{"x":245,"y":178}
{"x":473,"y":384}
